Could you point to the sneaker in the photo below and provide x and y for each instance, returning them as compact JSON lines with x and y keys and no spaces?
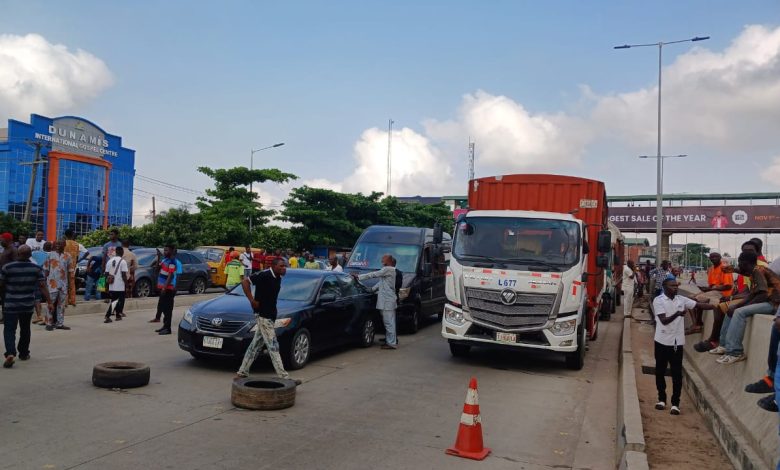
{"x":762,"y":386}
{"x":107,"y":320}
{"x":159,"y":329}
{"x":9,"y":361}
{"x":240,"y":375}
{"x":675,"y":410}
{"x":388,"y":346}
{"x":24,"y":357}
{"x":660,"y":405}
{"x":164,"y":331}
{"x":768,"y":403}
{"x":123,"y":314}
{"x":154,"y":320}
{"x":718,"y":350}
{"x":704,"y":346}
{"x":118,"y":316}
{"x":729,"y":359}
{"x":49,"y":327}
{"x":62,"y":327}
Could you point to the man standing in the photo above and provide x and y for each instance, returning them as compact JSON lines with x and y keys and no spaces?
{"x":692,"y":280}
{"x":234,"y":272}
{"x":267,"y":285}
{"x":293,"y":261}
{"x":116,"y":270}
{"x":132,"y":264}
{"x":669,"y":309}
{"x":36,"y":244}
{"x":333,"y":265}
{"x":56,"y":268}
{"x":109,"y":248}
{"x":166,"y":284}
{"x":657,"y":277}
{"x":246,"y":261}
{"x":74,"y":250}
{"x":7,"y":255}
{"x":310,"y":263}
{"x":258,"y":259}
{"x":20,"y":280}
{"x":93,"y":273}
{"x":39,"y":257}
{"x":629,"y":278}
{"x":386,"y":300}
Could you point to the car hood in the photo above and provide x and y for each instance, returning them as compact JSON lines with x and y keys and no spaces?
{"x":239,"y":305}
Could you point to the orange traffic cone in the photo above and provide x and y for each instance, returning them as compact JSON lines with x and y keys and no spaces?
{"x":469,"y":441}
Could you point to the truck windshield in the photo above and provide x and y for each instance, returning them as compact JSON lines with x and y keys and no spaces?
{"x":518,"y":240}
{"x":369,"y":256}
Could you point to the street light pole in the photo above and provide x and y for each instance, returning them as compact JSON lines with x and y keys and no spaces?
{"x":252,"y":167}
{"x":659,"y":162}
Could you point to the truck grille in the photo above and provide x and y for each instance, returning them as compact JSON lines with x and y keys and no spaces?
{"x":227,"y":327}
{"x":528,"y":311}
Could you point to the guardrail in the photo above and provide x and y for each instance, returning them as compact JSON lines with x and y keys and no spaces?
{"x":630,"y":433}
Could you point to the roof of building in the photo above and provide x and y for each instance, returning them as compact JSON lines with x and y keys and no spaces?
{"x":636,"y":241}
{"x":3,"y":133}
{"x":420,"y":200}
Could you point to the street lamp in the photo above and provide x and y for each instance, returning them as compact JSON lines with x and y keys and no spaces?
{"x":252,"y":167}
{"x":659,"y":165}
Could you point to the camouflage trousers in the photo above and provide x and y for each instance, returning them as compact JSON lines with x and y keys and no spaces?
{"x":265,"y":334}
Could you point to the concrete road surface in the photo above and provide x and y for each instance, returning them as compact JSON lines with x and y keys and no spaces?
{"x":357,"y":408}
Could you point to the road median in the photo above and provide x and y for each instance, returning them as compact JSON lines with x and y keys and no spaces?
{"x":98,"y":306}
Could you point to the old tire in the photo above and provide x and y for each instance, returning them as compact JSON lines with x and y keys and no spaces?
{"x":263,"y":393}
{"x":198,"y":286}
{"x":120,"y":374}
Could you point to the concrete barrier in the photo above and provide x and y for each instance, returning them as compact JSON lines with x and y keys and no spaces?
{"x":634,"y":461}
{"x":747,"y":433}
{"x":98,"y":306}
{"x":630,"y":433}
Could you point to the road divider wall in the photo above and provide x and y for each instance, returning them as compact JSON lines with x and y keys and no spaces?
{"x":630,"y":433}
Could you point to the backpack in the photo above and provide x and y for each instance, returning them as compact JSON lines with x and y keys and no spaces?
{"x":399,"y":281}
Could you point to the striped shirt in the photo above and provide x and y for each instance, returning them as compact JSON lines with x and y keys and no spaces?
{"x":21,"y":279}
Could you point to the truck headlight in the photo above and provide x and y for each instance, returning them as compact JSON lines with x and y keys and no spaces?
{"x":564,"y":328}
{"x":188,"y":316}
{"x":454,"y":316}
{"x":403,"y":293}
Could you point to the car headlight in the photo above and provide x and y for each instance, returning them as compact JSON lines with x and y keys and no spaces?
{"x":188,"y":316}
{"x":280,"y":323}
{"x":454,"y":316}
{"x":403,"y":293}
{"x":564,"y":328}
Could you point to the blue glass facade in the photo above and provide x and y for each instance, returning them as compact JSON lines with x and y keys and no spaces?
{"x":84,"y":178}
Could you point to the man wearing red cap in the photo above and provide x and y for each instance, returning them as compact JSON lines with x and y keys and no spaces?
{"x":7,"y":255}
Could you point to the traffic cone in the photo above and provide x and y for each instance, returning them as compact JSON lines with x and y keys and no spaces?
{"x":469,"y":442}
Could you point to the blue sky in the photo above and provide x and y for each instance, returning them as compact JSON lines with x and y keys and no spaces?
{"x":199,"y":84}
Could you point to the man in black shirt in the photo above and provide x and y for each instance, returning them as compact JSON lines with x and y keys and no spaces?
{"x":267,"y":284}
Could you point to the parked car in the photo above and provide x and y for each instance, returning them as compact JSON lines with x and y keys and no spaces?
{"x":317,"y":310}
{"x":81,"y":266}
{"x":215,"y":256}
{"x":194,"y":278}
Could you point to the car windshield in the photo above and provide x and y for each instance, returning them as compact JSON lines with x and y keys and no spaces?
{"x":553,"y":243}
{"x":369,"y":256}
{"x":295,"y":288}
{"x":211,"y":254}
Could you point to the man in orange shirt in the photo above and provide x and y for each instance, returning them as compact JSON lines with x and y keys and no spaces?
{"x":720,"y":280}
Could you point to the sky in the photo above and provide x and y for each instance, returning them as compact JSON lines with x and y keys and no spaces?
{"x":536,"y":85}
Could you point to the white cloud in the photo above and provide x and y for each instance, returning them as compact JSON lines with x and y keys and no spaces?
{"x":40,"y":77}
{"x":772,"y":173}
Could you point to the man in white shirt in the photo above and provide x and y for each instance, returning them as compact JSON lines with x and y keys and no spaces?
{"x":333,"y":265}
{"x":246,"y":261}
{"x":36,"y":244}
{"x":669,"y":308}
{"x":627,"y":286}
{"x":116,"y":270}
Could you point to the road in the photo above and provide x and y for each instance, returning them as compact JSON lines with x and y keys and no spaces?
{"x":357,"y":408}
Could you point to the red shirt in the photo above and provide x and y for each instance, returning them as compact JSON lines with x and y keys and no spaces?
{"x":258,"y":259}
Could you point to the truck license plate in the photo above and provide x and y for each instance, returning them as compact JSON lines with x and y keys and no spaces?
{"x":506,"y":337}
{"x":212,"y":342}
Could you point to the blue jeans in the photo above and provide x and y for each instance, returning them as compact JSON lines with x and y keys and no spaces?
{"x":90,"y":287}
{"x":388,"y":318}
{"x":9,"y":333}
{"x":738,"y":323}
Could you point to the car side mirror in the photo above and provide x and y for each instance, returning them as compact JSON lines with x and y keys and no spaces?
{"x":327,"y":297}
{"x":602,"y":261}
{"x":605,"y":241}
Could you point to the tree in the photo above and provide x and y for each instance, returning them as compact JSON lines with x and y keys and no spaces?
{"x":694,"y":254}
{"x":11,"y":224}
{"x":271,"y":237}
{"x":228,"y":207}
{"x":176,"y":226}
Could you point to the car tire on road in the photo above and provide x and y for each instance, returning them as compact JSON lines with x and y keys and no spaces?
{"x":459,"y":350}
{"x":367,"y":332}
{"x":143,"y":288}
{"x":198,"y":286}
{"x":120,"y":374}
{"x":297,"y":353}
{"x":263,"y":393}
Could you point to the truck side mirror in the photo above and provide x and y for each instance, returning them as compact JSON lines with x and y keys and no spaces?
{"x":605,"y":241}
{"x":585,"y":248}
{"x":427,"y":269}
{"x":602,"y":261}
{"x":437,"y":234}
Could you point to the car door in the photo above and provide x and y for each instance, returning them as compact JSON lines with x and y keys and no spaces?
{"x":426,"y":281}
{"x":438,"y":280}
{"x":327,"y":322}
{"x":357,"y":305}
{"x":185,"y":278}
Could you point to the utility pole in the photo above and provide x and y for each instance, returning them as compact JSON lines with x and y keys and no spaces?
{"x":154,"y":211}
{"x":389,"y":151}
{"x":37,"y":160}
{"x":471,"y":159}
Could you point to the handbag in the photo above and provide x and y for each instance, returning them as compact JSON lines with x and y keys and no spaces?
{"x":111,"y":277}
{"x":102,"y":285}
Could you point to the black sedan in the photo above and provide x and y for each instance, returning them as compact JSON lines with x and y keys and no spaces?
{"x":317,"y":310}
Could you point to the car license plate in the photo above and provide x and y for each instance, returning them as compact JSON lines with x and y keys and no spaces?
{"x":503,"y":337}
{"x":212,"y":342}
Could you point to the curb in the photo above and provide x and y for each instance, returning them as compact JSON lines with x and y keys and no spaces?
{"x":630,"y":432}
{"x":98,"y":306}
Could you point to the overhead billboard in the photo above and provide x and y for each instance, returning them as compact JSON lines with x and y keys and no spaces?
{"x":699,"y":218}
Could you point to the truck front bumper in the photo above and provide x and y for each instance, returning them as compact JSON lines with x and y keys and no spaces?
{"x":463,"y":330}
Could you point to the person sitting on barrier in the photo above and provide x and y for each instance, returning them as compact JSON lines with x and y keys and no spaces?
{"x":720,"y":285}
{"x":767,"y":383}
{"x":670,"y":309}
{"x":764,"y":298}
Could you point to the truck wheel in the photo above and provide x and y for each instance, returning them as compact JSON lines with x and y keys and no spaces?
{"x":263,"y":393}
{"x":459,"y":350}
{"x":606,"y":307}
{"x":576,"y":360}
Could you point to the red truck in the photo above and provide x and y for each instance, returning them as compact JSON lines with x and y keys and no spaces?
{"x":528,"y":265}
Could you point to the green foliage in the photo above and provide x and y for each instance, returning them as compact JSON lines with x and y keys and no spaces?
{"x":11,"y":224}
{"x":272,"y":238}
{"x":694,"y":254}
{"x":177,"y":226}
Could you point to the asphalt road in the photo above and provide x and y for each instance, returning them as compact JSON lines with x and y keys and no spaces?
{"x":357,"y":408}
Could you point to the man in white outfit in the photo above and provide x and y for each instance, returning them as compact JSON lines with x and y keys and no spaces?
{"x":629,"y":280}
{"x":386,"y":300}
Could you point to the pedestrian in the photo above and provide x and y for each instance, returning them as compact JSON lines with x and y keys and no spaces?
{"x":333,"y":265}
{"x":109,"y":248}
{"x":386,"y":301}
{"x":720,"y":285}
{"x":7,"y":255}
{"x":56,"y":269}
{"x":166,"y":284}
{"x":669,"y":310}
{"x":21,"y":240}
{"x":74,"y":249}
{"x":293,"y":261}
{"x":39,"y":257}
{"x":246,"y":261}
{"x":692,"y":280}
{"x":91,"y":277}
{"x":235,"y":272}
{"x":657,"y":277}
{"x":132,"y":265}
{"x":629,"y":278}
{"x":258,"y":260}
{"x":36,"y":244}
{"x":19,"y":282}
{"x":267,"y":285}
{"x":310,"y":263}
{"x":116,"y":279}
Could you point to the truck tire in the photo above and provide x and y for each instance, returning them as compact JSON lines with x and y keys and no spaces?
{"x":606,"y":307}
{"x":120,"y":374}
{"x":263,"y":393}
{"x":459,"y":350}
{"x":576,"y":360}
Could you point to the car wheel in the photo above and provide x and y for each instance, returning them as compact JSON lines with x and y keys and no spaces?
{"x":120,"y":375}
{"x":198,"y":286}
{"x":263,"y":394}
{"x":367,"y":333}
{"x":143,"y":288}
{"x":459,"y":350}
{"x":299,"y":350}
